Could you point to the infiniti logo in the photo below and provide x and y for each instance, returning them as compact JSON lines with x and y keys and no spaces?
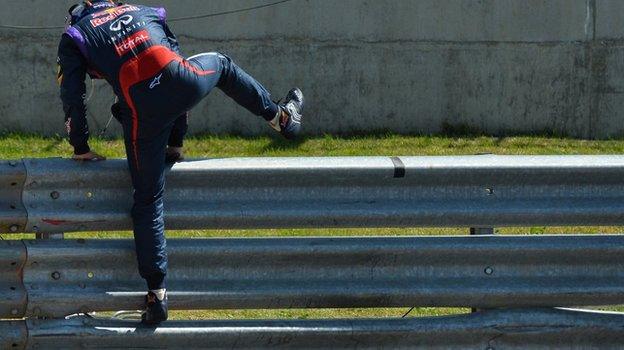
{"x":125,"y":20}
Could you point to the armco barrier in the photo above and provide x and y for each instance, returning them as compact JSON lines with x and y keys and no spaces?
{"x":45,"y":280}
{"x":62,"y":277}
{"x":63,"y":196}
{"x":494,"y":329}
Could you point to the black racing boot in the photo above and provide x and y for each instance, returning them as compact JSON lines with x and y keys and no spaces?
{"x":156,"y":310}
{"x":289,"y":125}
{"x":173,"y":157}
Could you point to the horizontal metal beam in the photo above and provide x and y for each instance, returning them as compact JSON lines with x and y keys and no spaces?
{"x":471,"y":191}
{"x":494,"y":329}
{"x":71,"y":276}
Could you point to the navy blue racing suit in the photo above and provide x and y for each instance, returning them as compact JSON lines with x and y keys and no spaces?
{"x":132,"y":47}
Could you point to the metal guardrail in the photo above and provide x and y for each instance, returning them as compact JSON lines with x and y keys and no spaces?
{"x":472,"y":191}
{"x":492,"y":329}
{"x":62,"y":277}
{"x":54,"y":278}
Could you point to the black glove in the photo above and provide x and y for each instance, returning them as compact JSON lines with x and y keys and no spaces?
{"x":117,"y":110}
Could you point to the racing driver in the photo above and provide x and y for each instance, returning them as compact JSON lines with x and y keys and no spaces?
{"x":132,"y":47}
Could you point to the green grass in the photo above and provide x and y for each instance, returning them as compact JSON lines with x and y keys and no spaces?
{"x":23,"y":146}
{"x":15,"y":146}
{"x":303,"y":314}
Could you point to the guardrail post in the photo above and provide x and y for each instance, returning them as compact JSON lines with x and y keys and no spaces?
{"x":479,"y":231}
{"x":47,"y":236}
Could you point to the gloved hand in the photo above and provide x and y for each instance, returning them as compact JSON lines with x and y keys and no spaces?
{"x":117,"y":111}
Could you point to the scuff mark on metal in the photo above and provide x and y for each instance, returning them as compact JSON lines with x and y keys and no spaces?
{"x":55,"y":222}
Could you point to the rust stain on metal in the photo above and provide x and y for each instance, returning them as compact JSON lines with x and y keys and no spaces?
{"x":55,"y":222}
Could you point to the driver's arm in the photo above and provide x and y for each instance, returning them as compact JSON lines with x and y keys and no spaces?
{"x":71,"y":78}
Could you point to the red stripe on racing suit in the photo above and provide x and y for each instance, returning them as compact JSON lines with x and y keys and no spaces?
{"x":145,"y":66}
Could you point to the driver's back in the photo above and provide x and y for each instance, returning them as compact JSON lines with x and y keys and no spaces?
{"x":110,"y":38}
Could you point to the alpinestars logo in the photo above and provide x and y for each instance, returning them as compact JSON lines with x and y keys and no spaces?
{"x":155,"y":82}
{"x":132,"y":42}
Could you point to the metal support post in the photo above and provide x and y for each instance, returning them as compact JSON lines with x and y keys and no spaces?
{"x":480,"y":231}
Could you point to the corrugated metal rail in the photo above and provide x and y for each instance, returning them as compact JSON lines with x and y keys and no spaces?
{"x":52,"y":279}
{"x":493,"y":329}
{"x":472,"y":191}
{"x":62,"y":277}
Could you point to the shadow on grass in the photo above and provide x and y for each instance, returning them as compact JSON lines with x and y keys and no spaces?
{"x":54,"y":143}
{"x":460,"y":130}
{"x":446,"y":131}
{"x":279,"y":143}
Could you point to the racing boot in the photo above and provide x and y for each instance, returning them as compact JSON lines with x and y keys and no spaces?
{"x":174,"y":155}
{"x":288,"y":123}
{"x":156,"y":310}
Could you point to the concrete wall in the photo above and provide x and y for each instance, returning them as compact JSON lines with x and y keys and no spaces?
{"x":409,"y":66}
